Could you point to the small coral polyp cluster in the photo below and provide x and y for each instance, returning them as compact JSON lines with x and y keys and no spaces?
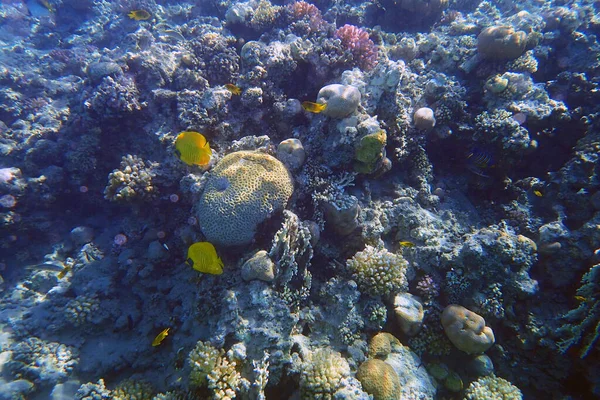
{"x":395,"y":199}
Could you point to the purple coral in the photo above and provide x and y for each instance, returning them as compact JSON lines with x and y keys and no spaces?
{"x":357,"y":41}
{"x":428,"y":287}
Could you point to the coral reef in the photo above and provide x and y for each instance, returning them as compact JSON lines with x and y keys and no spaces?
{"x":455,"y":162}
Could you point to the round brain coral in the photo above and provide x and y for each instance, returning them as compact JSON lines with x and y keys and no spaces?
{"x":243,"y":190}
{"x":379,"y":379}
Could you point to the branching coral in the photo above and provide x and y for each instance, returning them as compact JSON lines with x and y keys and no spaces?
{"x":81,"y":309}
{"x":492,"y":388}
{"x":356,"y":40}
{"x":131,"y":389}
{"x":322,"y":374}
{"x":292,"y":252}
{"x":378,"y":272}
{"x":132,"y":181}
{"x":202,"y":359}
{"x":41,"y":361}
{"x":584,"y":321}
{"x":210,"y":367}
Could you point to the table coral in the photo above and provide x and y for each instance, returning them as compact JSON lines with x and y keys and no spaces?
{"x":243,"y":190}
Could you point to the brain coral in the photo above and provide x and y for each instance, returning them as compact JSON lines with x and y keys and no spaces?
{"x":243,"y":190}
{"x":379,"y":379}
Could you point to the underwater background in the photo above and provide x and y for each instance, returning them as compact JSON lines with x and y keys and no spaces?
{"x":216,"y":199}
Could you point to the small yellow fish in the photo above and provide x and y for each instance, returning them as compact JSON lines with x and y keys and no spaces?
{"x":61,"y":268}
{"x":160,"y":337}
{"x":46,"y":4}
{"x":580,"y":298}
{"x":193,"y":148}
{"x":313,"y":107}
{"x":406,"y":243}
{"x":202,"y":256}
{"x":537,"y":193}
{"x":64,"y":272}
{"x":233,"y":89}
{"x":139,"y":15}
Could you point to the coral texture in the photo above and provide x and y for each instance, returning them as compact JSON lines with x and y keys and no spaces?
{"x":378,"y":272}
{"x":243,"y":190}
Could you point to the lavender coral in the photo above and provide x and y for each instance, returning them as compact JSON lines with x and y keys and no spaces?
{"x":357,"y":41}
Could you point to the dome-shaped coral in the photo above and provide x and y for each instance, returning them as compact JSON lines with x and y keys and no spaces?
{"x":379,"y":379}
{"x":243,"y":190}
{"x":466,"y":329}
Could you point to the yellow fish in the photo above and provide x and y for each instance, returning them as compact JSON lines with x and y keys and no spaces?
{"x":233,"y":89}
{"x":202,"y":256}
{"x":313,"y":107}
{"x":537,"y":193}
{"x":59,"y":267}
{"x":580,"y":298}
{"x":139,"y":15}
{"x":193,"y":148}
{"x":406,"y":243}
{"x":46,"y":4}
{"x":160,"y":337}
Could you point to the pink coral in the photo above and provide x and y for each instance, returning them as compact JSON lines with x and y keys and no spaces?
{"x":357,"y":41}
{"x":302,"y":12}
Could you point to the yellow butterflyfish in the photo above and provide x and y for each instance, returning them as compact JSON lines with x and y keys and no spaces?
{"x":537,"y":193}
{"x":139,"y":15}
{"x":193,"y":148}
{"x":160,"y":337}
{"x":580,"y":298}
{"x":313,"y":107}
{"x":406,"y":243}
{"x":233,"y":89}
{"x":202,"y":256}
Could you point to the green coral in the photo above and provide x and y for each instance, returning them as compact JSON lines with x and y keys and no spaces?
{"x":370,"y":152}
{"x":243,"y":190}
{"x":378,"y":272}
{"x":492,"y":388}
{"x":322,"y":374}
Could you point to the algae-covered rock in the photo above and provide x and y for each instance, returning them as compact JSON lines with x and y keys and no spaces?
{"x":370,"y":152}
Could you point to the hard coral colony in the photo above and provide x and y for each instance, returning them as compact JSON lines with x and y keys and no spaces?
{"x":395,"y":199}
